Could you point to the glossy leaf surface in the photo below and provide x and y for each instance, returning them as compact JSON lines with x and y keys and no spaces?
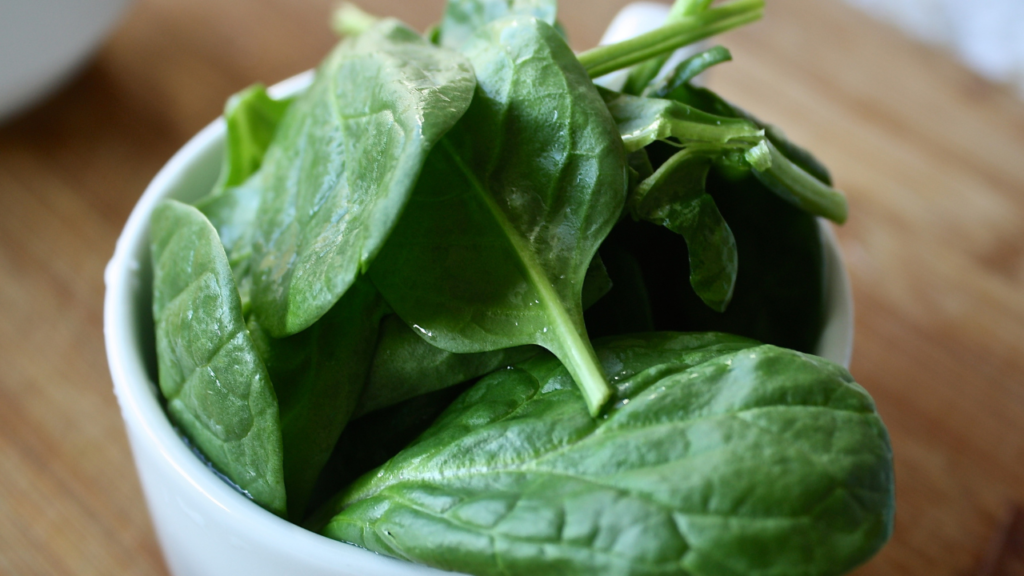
{"x":406,"y":365}
{"x":318,"y":375}
{"x":756,"y":461}
{"x":251,"y":118}
{"x":217,"y":388}
{"x":511,"y":207}
{"x":343,"y":166}
{"x":462,"y":18}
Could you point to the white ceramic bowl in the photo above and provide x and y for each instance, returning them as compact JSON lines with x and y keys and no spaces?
{"x":204,"y":526}
{"x":42,"y":42}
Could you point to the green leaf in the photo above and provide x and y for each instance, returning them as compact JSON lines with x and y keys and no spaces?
{"x":511,"y":208}
{"x":689,"y":69}
{"x":318,"y":375}
{"x":406,"y":365}
{"x":252,"y":118}
{"x":756,"y":461}
{"x":217,"y":388}
{"x":674,"y":197}
{"x":642,"y":121}
{"x":779,"y":296}
{"x":342,"y":168}
{"x":462,"y":18}
{"x":792,"y":172}
{"x":233,"y":213}
{"x":370,"y":441}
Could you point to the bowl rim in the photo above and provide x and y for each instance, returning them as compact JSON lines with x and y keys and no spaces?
{"x":137,"y":394}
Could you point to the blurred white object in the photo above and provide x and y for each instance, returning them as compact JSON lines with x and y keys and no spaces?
{"x":988,"y":35}
{"x":42,"y":42}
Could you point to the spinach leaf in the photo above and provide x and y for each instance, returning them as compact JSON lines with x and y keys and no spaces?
{"x":343,"y":165}
{"x":371,"y":440}
{"x":217,"y":388}
{"x":756,"y":461}
{"x":511,"y":207}
{"x":674,"y":197}
{"x":462,"y":18}
{"x":786,"y":169}
{"x":252,"y":118}
{"x":318,"y":375}
{"x":712,"y":103}
{"x":406,"y":365}
{"x":779,"y":296}
{"x":232,"y":212}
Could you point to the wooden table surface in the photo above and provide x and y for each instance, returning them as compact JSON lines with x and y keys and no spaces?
{"x":932,"y":159}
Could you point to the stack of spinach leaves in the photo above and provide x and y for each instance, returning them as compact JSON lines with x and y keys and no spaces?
{"x":378,"y":324}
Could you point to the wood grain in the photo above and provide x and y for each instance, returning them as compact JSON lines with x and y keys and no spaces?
{"x":932,"y":159}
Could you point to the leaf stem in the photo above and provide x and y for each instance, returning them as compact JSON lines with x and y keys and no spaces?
{"x":607,"y":59}
{"x":643,"y":74}
{"x":798,"y":187}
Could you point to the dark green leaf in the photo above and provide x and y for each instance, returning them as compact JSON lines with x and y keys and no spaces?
{"x":674,"y":197}
{"x":462,"y":18}
{"x":756,"y":461}
{"x":370,"y":441}
{"x":217,"y":388}
{"x":626,"y":309}
{"x":251,"y":118}
{"x":318,"y":375}
{"x":343,"y":166}
{"x":511,"y":207}
{"x":780,"y":285}
{"x":406,"y":365}
{"x":789,"y":170}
